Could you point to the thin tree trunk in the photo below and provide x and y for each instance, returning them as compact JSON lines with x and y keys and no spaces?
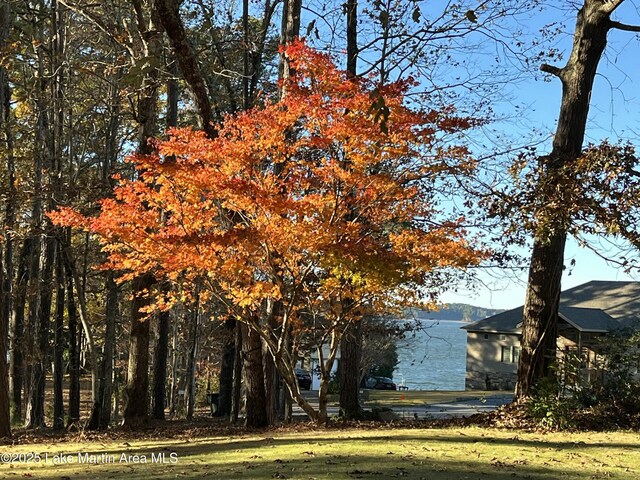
{"x":164,"y":317}
{"x":160,"y":364}
{"x":58,"y":345}
{"x":74,"y":353}
{"x":545,"y":271}
{"x":16,"y":331}
{"x":5,"y":413}
{"x":101,"y":413}
{"x":11,"y":193}
{"x":6,"y":323}
{"x":191,"y":366}
{"x":236,"y":397}
{"x":174,"y":370}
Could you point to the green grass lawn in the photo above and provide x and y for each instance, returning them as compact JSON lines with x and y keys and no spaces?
{"x":433,"y":454}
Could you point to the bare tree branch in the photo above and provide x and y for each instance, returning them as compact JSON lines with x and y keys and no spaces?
{"x":553,"y":70}
{"x":625,"y":27}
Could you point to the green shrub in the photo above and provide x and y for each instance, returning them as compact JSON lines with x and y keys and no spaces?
{"x":550,"y":407}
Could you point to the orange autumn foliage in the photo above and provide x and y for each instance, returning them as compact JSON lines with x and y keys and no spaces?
{"x":322,"y":197}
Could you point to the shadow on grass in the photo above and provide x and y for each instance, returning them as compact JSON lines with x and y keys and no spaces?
{"x":423,"y":455}
{"x":193,"y":463}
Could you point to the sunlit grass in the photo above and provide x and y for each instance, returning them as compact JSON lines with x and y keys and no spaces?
{"x":460,"y":453}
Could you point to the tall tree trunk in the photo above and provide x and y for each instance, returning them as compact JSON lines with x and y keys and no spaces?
{"x":16,"y":330}
{"x":6,"y":372}
{"x":101,"y":413}
{"x":255,"y":408}
{"x":136,"y":412}
{"x":236,"y":397}
{"x":5,"y":407}
{"x":74,"y":351}
{"x":191,"y":365}
{"x":55,"y":180}
{"x":11,"y":193}
{"x":225,"y":379}
{"x":160,"y":364}
{"x":58,"y":345}
{"x":35,"y":407}
{"x":545,"y":270}
{"x":164,"y":317}
{"x":173,"y":397}
{"x":35,"y":414}
{"x":351,"y":343}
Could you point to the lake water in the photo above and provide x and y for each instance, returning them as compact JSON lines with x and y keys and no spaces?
{"x":434,"y":358}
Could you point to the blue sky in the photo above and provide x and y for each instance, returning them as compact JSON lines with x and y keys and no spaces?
{"x":614,"y":115}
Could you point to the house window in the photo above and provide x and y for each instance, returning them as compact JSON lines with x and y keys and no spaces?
{"x":509,"y":354}
{"x":503,"y":337}
{"x":486,"y":336}
{"x":506,"y":355}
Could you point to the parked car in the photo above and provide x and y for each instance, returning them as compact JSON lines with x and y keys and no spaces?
{"x":304,"y":378}
{"x":380,"y":383}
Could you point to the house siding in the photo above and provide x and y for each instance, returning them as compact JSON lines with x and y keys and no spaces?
{"x":486,"y":369}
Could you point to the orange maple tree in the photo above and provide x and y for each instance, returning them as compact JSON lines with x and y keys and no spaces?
{"x":322,"y":202}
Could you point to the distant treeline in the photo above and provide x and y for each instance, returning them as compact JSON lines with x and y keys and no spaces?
{"x":455,"y":311}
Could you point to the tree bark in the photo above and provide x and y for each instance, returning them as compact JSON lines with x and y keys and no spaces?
{"x":351,"y":342}
{"x":74,"y":351}
{"x":225,"y":379}
{"x":169,"y":15}
{"x":350,"y":354}
{"x":136,"y":411}
{"x":255,"y":408}
{"x":101,"y":412}
{"x":164,"y":317}
{"x":11,"y":193}
{"x":5,"y":407}
{"x":16,"y":330}
{"x":35,"y":407}
{"x":58,"y":345}
{"x":191,"y":365}
{"x":545,"y":271}
{"x":160,"y":364}
{"x":236,"y":397}
{"x":290,"y":30}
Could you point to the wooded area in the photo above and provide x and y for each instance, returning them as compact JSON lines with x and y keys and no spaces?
{"x":192,"y":195}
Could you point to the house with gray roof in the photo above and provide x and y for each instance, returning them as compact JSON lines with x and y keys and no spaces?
{"x":586,"y":313}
